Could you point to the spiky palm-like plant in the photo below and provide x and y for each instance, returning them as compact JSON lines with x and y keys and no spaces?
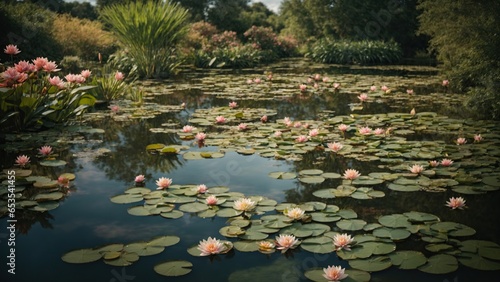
{"x":149,"y":31}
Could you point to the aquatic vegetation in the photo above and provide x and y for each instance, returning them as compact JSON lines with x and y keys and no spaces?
{"x":342,"y":241}
{"x":211,"y":246}
{"x":334,"y":273}
{"x":286,"y":242}
{"x":456,"y":203}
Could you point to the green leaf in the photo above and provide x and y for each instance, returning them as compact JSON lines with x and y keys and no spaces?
{"x":173,"y":268}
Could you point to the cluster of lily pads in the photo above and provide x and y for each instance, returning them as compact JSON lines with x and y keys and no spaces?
{"x":315,"y":225}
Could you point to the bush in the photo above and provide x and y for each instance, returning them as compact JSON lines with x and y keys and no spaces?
{"x":267,"y":40}
{"x":242,"y":56}
{"x":82,"y":38}
{"x":149,"y":32}
{"x":30,"y":28}
{"x":32,"y":97}
{"x":329,"y":51}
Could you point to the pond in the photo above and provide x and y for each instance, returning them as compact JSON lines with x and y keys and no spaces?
{"x":107,"y":228}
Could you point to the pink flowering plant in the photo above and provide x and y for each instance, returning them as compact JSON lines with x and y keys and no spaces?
{"x":33,"y":95}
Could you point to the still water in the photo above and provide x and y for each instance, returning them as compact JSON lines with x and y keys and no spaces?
{"x":86,"y":218}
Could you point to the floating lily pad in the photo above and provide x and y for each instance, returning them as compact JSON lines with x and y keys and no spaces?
{"x":246,"y":246}
{"x":126,"y":198}
{"x":408,"y":259}
{"x":282,"y":175}
{"x":319,"y":245}
{"x":394,"y":220}
{"x":173,"y":268}
{"x":53,"y":196}
{"x":82,"y":256}
{"x":376,"y":263}
{"x":351,"y":224}
{"x":315,"y":172}
{"x":193,"y":207}
{"x":53,"y":163}
{"x":312,"y":179}
{"x":486,"y":249}
{"x":440,"y":264}
{"x":478,"y":262}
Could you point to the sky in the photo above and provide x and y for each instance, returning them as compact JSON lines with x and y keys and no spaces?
{"x":273,"y":5}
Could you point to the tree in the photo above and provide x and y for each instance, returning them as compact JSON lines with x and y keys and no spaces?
{"x":465,"y":34}
{"x":226,"y":15}
{"x":198,"y":9}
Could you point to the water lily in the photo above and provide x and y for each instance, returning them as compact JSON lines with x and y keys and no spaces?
{"x":286,"y":242}
{"x":301,"y":138}
{"x":200,"y":136}
{"x":188,"y":128}
{"x":335,"y":146}
{"x":409,"y":91}
{"x":456,"y":203}
{"x":45,"y":150}
{"x":202,"y":189}
{"x":119,"y":76}
{"x":478,"y":138}
{"x":433,"y":163}
{"x":363,"y":97}
{"x":139,"y":178}
{"x":351,"y":174}
{"x":326,"y":79}
{"x":11,"y":50}
{"x":334,"y":273}
{"x":211,"y":246}
{"x":446,"y":162}
{"x":56,"y":81}
{"x":114,"y":108}
{"x":244,"y":204}
{"x":302,"y":87}
{"x":86,"y":73}
{"x":342,"y":241}
{"x":277,"y":134}
{"x":373,"y":88}
{"x":336,"y":86}
{"x":343,"y":127}
{"x":22,"y":160}
{"x":365,"y":130}
{"x":313,"y":132}
{"x":211,"y":200}
{"x":445,"y":83}
{"x":384,"y":88}
{"x":233,"y":105}
{"x":257,"y":80}
{"x":317,"y":76}
{"x":249,"y":81}
{"x":220,"y":119}
{"x":295,"y":213}
{"x":461,"y":141}
{"x":183,"y":105}
{"x":63,"y":181}
{"x":413,"y":112}
{"x":163,"y":183}
{"x":416,"y":169}
{"x":379,"y":131}
{"x":263,"y":118}
{"x":297,"y":124}
{"x":265,"y":246}
{"x":39,"y":62}
{"x":242,"y":126}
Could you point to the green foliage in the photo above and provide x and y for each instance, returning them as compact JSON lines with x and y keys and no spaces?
{"x":109,"y":86}
{"x":465,"y":36}
{"x":149,"y":31}
{"x":30,"y":28}
{"x":241,"y":56}
{"x":226,"y":15}
{"x":365,"y":52}
{"x":267,"y":40}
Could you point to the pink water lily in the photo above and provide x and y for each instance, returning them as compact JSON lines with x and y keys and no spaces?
{"x":278,"y":134}
{"x":50,"y":67}
{"x":342,"y":241}
{"x":114,"y":108}
{"x":325,"y":79}
{"x":343,"y":127}
{"x":478,"y":138}
{"x":242,"y":126}
{"x":301,"y":138}
{"x":413,"y":112}
{"x":265,"y":246}
{"x":373,"y":88}
{"x":379,"y":131}
{"x":313,"y":132}
{"x":334,"y":273}
{"x":86,"y":73}
{"x":365,"y":130}
{"x":188,"y":128}
{"x":416,"y":169}
{"x":433,"y":163}
{"x":286,"y":242}
{"x":446,"y":162}
{"x":211,"y":200}
{"x":336,"y":86}
{"x":257,"y":80}
{"x":119,"y":76}
{"x":56,"y":81}
{"x":409,"y":91}
{"x":24,"y":66}
{"x":63,"y":181}
{"x":45,"y":150}
{"x":456,"y":203}
{"x":22,"y":160}
{"x":233,"y":105}
{"x":139,"y":178}
{"x":220,"y":119}
{"x":200,"y":136}
{"x":384,"y":88}
{"x":461,"y":141}
{"x":211,"y":246}
{"x":445,"y":82}
{"x":317,"y":76}
{"x":263,"y":118}
{"x":363,"y":97}
{"x":11,"y":50}
{"x":335,"y":146}
{"x":202,"y":189}
{"x":163,"y":183}
{"x":351,"y":174}
{"x":302,"y":87}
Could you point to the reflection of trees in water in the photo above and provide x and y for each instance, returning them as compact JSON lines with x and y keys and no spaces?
{"x":26,"y":219}
{"x":128,"y":156}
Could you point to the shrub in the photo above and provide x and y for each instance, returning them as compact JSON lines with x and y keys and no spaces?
{"x":82,"y":38}
{"x":32,"y":98}
{"x":266,"y":39}
{"x":365,"y":52}
{"x":109,"y":85}
{"x":149,"y":31}
{"x":242,"y":56}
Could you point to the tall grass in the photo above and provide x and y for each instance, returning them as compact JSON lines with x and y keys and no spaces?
{"x":355,"y":52}
{"x":149,"y":31}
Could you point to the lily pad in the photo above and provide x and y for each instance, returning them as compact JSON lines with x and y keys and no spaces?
{"x":440,"y":264}
{"x":376,"y":263}
{"x":82,"y":256}
{"x":408,"y":259}
{"x":282,"y":175}
{"x":173,"y":268}
{"x":53,"y":163}
{"x":351,"y":224}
